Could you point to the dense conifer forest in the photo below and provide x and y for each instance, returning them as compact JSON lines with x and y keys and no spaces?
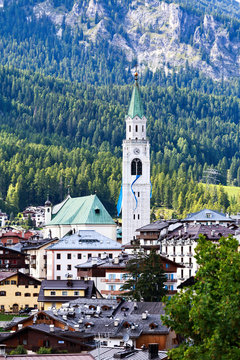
{"x":55,"y":133}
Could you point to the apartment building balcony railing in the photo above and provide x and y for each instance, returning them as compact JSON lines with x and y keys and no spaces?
{"x":171,"y":280}
{"x":189,"y":265}
{"x":112,"y":292}
{"x":121,"y":281}
{"x":189,"y":254}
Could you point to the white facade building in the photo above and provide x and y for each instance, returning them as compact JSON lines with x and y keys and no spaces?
{"x":179,"y":246}
{"x":136,"y":185}
{"x":70,"y":251}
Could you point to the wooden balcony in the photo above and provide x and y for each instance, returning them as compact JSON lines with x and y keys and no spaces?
{"x":148,"y":236}
{"x":171,"y":292}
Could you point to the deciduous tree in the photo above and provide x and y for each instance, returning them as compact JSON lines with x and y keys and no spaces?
{"x":207,"y":314}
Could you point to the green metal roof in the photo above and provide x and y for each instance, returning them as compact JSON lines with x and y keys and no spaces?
{"x":82,"y":210}
{"x":136,"y":107}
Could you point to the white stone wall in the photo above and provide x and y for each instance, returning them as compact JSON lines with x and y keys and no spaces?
{"x":59,"y":231}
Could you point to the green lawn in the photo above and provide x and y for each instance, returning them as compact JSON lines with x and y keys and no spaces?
{"x":8,"y":317}
{"x":230,"y":190}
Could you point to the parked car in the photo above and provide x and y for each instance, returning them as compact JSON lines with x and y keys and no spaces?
{"x":26,"y":310}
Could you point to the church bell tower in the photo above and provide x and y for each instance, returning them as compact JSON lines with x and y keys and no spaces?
{"x":136,"y":185}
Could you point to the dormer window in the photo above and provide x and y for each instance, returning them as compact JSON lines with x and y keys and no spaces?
{"x":126,"y":325}
{"x":153,"y":325}
{"x":97,"y":210}
{"x":89,"y":324}
{"x":208,"y":215}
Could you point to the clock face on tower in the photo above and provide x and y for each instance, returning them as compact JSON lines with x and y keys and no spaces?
{"x":136,"y":151}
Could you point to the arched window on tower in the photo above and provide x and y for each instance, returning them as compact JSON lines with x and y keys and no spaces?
{"x":136,"y":167}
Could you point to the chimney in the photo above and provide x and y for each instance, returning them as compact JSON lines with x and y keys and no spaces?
{"x":179,"y":232}
{"x":76,"y":327}
{"x":116,"y":260}
{"x":20,"y":326}
{"x":51,"y":328}
{"x":2,"y":349}
{"x":144,"y":316}
{"x":116,"y":322}
{"x":152,"y":351}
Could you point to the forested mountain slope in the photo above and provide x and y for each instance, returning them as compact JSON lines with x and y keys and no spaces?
{"x":100,"y":41}
{"x":55,"y":132}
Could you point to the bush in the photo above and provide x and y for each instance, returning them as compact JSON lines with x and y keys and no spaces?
{"x":19,"y":350}
{"x":44,"y":350}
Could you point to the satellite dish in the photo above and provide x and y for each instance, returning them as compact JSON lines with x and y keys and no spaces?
{"x":125,"y":337}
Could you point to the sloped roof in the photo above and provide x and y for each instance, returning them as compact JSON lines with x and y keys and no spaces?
{"x":85,"y":239}
{"x":211,"y":232}
{"x":88,"y":286}
{"x":207,"y":215}
{"x":135,"y":107}
{"x":82,"y":210}
{"x":49,"y":357}
{"x":8,"y":274}
{"x":136,"y":354}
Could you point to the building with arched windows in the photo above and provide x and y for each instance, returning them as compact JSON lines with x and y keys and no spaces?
{"x":136,"y":185}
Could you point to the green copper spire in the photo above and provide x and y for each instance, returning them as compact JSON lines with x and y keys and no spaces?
{"x":136,"y":107}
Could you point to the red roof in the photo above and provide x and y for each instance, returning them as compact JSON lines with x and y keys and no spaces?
{"x":12,"y":234}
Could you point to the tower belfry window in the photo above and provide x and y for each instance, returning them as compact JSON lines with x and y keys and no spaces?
{"x":129,"y":128}
{"x":136,"y":167}
{"x":136,"y":128}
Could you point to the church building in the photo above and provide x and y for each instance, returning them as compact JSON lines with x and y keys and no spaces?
{"x":136,"y":185}
{"x":80,"y":213}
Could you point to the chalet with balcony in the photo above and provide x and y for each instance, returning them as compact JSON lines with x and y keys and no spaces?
{"x":42,"y":335}
{"x":11,"y":259}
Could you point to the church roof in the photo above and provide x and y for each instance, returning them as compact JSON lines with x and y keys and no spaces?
{"x":82,"y":210}
{"x":136,"y":107}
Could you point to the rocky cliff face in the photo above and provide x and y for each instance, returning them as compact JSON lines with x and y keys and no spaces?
{"x":155,"y":33}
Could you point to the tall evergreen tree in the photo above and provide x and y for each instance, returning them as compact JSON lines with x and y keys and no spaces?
{"x":145,"y":277}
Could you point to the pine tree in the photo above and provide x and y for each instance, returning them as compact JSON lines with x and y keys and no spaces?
{"x":145,"y":278}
